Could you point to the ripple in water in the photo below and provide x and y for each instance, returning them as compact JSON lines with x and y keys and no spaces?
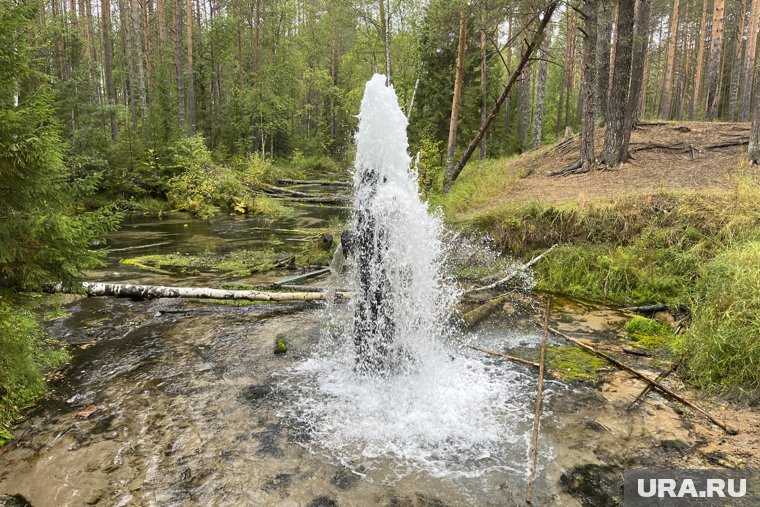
{"x":434,"y":408}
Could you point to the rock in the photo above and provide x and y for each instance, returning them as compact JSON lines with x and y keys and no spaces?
{"x":594,"y":485}
{"x":280,"y":347}
{"x":323,"y":501}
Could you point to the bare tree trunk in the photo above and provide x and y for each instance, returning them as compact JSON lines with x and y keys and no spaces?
{"x":667,"y":84}
{"x":714,"y":62}
{"x":147,"y":45}
{"x":559,"y":106}
{"x":612,"y":153}
{"x":604,"y":33}
{"x":754,"y":139}
{"x":126,"y":32}
{"x":137,"y":43}
{"x":483,"y":82}
{"x":613,"y":48}
{"x":178,"y":62}
{"x":695,"y":101}
{"x":190,"y":70}
{"x":640,"y":43}
{"x":590,"y":67}
{"x":385,"y":36}
{"x":569,"y":64}
{"x":108,"y":67}
{"x":745,"y":106}
{"x":733,"y":99}
{"x":685,"y":78}
{"x":458,"y":78}
{"x":523,"y":106}
{"x":543,"y":71}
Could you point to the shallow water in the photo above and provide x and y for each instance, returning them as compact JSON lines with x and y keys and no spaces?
{"x":193,"y":407}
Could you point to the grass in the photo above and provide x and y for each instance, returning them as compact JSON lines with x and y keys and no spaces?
{"x":699,"y":249}
{"x":27,"y":354}
{"x":650,"y":334}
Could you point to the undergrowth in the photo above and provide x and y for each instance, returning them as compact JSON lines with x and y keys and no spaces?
{"x":27,"y":353}
{"x":701,"y":250}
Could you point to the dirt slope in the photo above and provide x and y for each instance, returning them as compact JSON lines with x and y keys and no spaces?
{"x":667,"y":156}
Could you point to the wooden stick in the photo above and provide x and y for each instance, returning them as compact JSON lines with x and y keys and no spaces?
{"x":156,"y":291}
{"x":539,"y":398}
{"x":294,"y":280}
{"x":512,"y":274}
{"x":662,"y":376}
{"x":337,"y":183}
{"x":654,"y":384}
{"x":505,"y":356}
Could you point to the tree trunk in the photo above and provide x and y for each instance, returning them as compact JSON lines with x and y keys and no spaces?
{"x":161,"y":14}
{"x":685,"y":80}
{"x":137,"y":44}
{"x":714,"y":62}
{"x":385,"y":37}
{"x":458,"y":78}
{"x":178,"y":62}
{"x":640,"y":43}
{"x":126,"y":31}
{"x":108,"y":67}
{"x":613,"y":48}
{"x":588,"y":124}
{"x":733,"y":99}
{"x":604,"y":33}
{"x":667,"y":84}
{"x":695,"y":101}
{"x":147,"y":45}
{"x":559,"y":105}
{"x":569,"y":64}
{"x":483,"y":82}
{"x":745,"y":107}
{"x":190,"y":71}
{"x":543,"y":71}
{"x":523,"y":106}
{"x":612,"y":153}
{"x":754,"y":139}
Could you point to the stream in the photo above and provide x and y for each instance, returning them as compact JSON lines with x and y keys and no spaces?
{"x":193,"y":407}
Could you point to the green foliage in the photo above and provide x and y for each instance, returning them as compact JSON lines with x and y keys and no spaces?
{"x":204,"y":188}
{"x":649,"y":333}
{"x":26,"y":355}
{"x":571,"y":363}
{"x":722,"y":347}
{"x":430,"y":167}
{"x":44,"y":236}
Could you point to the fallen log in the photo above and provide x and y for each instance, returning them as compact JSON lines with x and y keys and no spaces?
{"x":139,"y":247}
{"x":655,"y":385}
{"x":336,"y":183}
{"x":295,"y":280}
{"x":158,"y":291}
{"x":512,"y":274}
{"x":647,"y":308}
{"x":539,"y":398}
{"x":504,"y":356}
{"x":271,"y":189}
{"x":317,"y":199}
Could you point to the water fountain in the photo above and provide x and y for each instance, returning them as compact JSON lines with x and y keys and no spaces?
{"x":404,"y":398}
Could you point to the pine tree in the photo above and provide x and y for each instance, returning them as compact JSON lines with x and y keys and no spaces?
{"x":42,"y":238}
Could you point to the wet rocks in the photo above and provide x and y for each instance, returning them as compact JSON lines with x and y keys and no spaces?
{"x":323,"y":501}
{"x":594,"y":485}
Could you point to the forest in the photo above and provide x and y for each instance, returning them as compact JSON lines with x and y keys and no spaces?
{"x":620,"y":138}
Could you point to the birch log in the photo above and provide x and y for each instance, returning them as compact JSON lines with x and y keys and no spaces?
{"x":158,"y":291}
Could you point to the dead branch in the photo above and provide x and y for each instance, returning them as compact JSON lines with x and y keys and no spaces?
{"x":505,"y":356}
{"x":653,"y":383}
{"x":539,"y":398}
{"x":513,"y":273}
{"x":662,"y":376}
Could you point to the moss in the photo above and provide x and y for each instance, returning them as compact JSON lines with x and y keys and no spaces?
{"x":570,"y":363}
{"x":649,"y":333}
{"x":237,"y":263}
{"x":315,"y":252}
{"x":280,"y":347}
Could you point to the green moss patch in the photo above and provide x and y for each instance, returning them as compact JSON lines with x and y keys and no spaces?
{"x":237,"y":263}
{"x":649,"y":333}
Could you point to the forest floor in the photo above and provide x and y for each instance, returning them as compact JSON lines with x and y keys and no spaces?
{"x":667,"y":156}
